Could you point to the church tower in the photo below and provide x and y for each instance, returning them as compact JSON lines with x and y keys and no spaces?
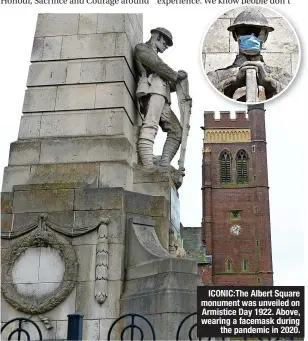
{"x":236,"y":218}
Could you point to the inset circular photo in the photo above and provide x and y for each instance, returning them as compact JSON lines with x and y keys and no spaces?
{"x":251,"y":54}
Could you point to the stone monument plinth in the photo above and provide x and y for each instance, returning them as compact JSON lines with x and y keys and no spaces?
{"x":84,"y":228}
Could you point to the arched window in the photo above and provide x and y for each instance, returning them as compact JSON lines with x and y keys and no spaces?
{"x":242,"y":167}
{"x":244,"y":265}
{"x":225,"y":167}
{"x":228,"y":265}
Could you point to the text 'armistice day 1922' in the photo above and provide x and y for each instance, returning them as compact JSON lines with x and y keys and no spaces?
{"x":250,"y":311}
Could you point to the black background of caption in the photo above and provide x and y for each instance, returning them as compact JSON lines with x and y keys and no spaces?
{"x":291,"y":322}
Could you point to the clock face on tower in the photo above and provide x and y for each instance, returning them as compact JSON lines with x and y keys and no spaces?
{"x":235,"y":229}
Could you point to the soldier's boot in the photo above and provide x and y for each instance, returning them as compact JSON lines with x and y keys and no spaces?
{"x":170,"y":149}
{"x":145,"y":151}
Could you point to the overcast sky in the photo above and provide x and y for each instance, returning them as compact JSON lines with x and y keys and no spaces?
{"x":285,"y":115}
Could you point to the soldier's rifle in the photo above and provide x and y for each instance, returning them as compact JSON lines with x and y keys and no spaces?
{"x":185,"y":103}
{"x":251,"y":85}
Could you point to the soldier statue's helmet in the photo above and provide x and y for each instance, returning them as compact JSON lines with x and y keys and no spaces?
{"x":167,"y":34}
{"x":250,"y":17}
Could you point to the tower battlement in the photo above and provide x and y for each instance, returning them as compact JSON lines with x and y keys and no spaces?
{"x":225,"y":120}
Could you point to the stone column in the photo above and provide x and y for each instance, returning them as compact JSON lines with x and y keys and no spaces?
{"x":63,"y":196}
{"x":79,"y":107}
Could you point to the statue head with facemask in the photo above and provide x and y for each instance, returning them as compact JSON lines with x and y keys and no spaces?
{"x":250,"y":29}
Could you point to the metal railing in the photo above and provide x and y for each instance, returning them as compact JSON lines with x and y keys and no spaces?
{"x":20,"y":330}
{"x":193,"y":326}
{"x":131,"y":326}
{"x":75,"y":328}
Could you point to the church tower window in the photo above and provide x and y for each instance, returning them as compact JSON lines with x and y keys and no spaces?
{"x":242,"y":167}
{"x":244,"y":264}
{"x":228,"y":265}
{"x":225,"y":167}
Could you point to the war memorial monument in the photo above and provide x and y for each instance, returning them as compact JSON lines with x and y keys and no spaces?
{"x":87,"y":218}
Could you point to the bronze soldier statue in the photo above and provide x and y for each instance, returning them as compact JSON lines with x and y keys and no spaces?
{"x":156,"y":81}
{"x":250,"y":29}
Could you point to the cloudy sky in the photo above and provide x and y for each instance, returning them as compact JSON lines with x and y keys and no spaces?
{"x":285,"y":116}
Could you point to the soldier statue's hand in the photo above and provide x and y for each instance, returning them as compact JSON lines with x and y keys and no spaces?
{"x":263,"y":78}
{"x":181,"y":75}
{"x":241,"y":75}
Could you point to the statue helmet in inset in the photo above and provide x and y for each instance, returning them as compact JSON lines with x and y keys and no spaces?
{"x":250,"y":17}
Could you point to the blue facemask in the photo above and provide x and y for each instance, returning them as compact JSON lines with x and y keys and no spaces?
{"x":250,"y":43}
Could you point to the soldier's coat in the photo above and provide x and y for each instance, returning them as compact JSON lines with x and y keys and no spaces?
{"x":156,"y":77}
{"x":221,"y":77}
{"x":153,"y":72}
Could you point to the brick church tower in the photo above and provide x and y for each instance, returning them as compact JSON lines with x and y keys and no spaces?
{"x":236,"y":218}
